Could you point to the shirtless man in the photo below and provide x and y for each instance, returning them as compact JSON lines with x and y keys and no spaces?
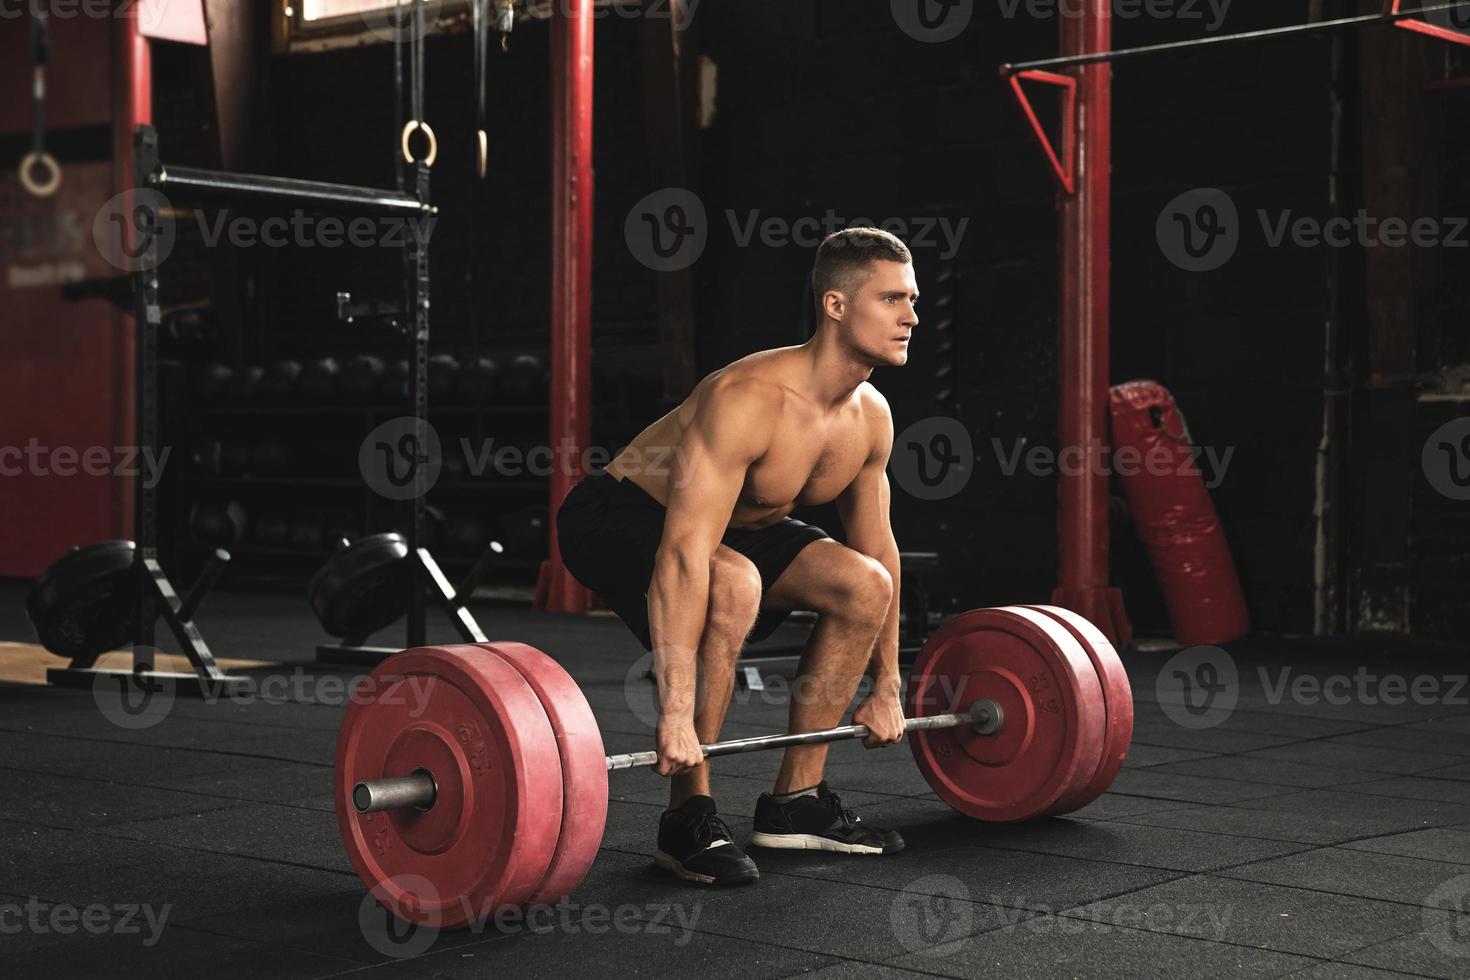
{"x":686,"y":537}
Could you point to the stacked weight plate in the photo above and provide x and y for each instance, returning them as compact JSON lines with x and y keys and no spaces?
{"x":519,"y":771}
{"x":1068,"y":712}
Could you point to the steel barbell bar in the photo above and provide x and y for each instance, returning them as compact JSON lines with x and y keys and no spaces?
{"x":419,"y":791}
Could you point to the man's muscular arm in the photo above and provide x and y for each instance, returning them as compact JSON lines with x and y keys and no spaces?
{"x":730,"y":431}
{"x":863,"y":507}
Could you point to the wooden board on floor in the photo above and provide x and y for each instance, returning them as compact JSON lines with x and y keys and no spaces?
{"x":27,"y":663}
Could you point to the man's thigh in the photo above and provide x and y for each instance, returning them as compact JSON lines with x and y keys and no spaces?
{"x":817,"y":579}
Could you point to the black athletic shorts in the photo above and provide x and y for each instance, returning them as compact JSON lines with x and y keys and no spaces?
{"x":610,"y":529}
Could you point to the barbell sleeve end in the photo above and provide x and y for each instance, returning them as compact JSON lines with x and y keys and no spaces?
{"x":416,"y":790}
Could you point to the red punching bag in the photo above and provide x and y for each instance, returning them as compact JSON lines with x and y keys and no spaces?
{"x":1174,"y":515}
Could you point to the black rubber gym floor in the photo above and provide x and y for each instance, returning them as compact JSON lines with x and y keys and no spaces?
{"x":1307,"y":831}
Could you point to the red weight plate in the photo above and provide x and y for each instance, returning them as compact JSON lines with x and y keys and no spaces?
{"x":1054,"y":717}
{"x":583,"y":767}
{"x":1118,"y":694}
{"x":475,"y":724}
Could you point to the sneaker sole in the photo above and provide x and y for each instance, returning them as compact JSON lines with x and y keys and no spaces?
{"x":670,"y":863}
{"x":810,"y":842}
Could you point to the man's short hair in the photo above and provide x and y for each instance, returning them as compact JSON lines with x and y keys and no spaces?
{"x":844,"y":257}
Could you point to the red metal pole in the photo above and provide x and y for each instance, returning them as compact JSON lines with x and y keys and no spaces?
{"x":1083,"y":356}
{"x":571,"y":279}
{"x":132,"y":106}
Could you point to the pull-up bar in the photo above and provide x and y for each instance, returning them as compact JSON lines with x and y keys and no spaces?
{"x":1408,"y":19}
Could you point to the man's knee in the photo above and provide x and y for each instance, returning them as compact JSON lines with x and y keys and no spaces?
{"x":865,"y":589}
{"x":734,"y":596}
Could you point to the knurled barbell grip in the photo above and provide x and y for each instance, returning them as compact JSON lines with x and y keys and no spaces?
{"x":986,"y":716}
{"x":417,"y":790}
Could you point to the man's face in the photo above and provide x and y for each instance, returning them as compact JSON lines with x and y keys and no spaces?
{"x":879,"y":320}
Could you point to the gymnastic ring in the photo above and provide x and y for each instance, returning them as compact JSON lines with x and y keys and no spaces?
{"x":408,"y":129}
{"x":45,"y":161}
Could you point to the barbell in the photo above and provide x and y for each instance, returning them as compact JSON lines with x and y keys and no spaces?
{"x":420,"y":791}
{"x":473,"y":777}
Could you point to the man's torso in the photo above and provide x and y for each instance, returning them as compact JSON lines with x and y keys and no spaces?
{"x":814,"y":454}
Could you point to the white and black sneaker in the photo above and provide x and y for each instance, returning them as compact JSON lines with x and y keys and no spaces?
{"x":695,"y":844}
{"x":817,"y":821}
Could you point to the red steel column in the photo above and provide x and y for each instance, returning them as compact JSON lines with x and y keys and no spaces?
{"x":132,"y":106}
{"x":571,"y":279}
{"x":1082,"y":584}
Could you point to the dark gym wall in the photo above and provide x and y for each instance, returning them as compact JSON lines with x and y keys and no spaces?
{"x":821,"y":106}
{"x":827,"y":105}
{"x":491,"y":247}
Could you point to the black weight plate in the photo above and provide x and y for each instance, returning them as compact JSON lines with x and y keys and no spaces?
{"x":85,"y":603}
{"x":362,"y":588}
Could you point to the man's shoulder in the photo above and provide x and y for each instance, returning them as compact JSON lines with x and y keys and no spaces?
{"x":756,"y":378}
{"x":874,"y":408}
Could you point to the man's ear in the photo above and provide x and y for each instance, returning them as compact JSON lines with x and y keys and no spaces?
{"x":834,"y":304}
